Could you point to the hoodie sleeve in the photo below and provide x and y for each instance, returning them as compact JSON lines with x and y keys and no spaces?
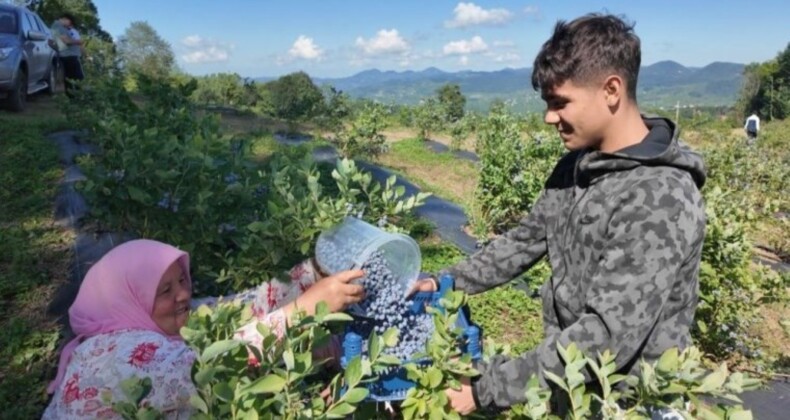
{"x":657,"y":228}
{"x":506,"y":257}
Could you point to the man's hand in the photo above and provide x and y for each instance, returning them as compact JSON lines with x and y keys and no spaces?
{"x":424,"y":285}
{"x":462,"y":400}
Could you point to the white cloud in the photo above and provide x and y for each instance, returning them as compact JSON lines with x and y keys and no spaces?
{"x":385,"y":42}
{"x":505,"y":44}
{"x":507,"y":57}
{"x":472,"y":46}
{"x":533,"y":11}
{"x":470,"y":14}
{"x":202,"y":50}
{"x":305,"y":48}
{"x":464,"y":60}
{"x":192,"y":41}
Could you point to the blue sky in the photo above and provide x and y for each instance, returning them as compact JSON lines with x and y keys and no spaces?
{"x":335,"y":38}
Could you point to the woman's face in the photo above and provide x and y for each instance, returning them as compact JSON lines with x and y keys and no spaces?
{"x":171,"y":305}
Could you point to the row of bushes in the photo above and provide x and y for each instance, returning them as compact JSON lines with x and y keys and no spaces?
{"x":166,"y":172}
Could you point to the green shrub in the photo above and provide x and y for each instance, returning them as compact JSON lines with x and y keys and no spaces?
{"x":364,"y":137}
{"x":512,"y":171}
{"x":165,"y":172}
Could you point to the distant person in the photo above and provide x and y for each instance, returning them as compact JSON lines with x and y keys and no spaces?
{"x":69,"y":45}
{"x":752,"y":127}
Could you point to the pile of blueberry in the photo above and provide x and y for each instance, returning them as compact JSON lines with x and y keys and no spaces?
{"x":386,"y":306}
{"x":334,"y":258}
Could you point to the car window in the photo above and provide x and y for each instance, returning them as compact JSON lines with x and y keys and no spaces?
{"x":31,"y":23}
{"x":8,"y":22}
{"x":41,"y":24}
{"x":26,"y":25}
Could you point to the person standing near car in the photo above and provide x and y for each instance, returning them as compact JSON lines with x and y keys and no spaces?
{"x":69,"y":45}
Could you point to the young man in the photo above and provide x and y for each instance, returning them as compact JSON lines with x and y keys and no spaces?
{"x":621,"y":219}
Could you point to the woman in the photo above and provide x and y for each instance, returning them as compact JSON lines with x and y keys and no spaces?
{"x":127,"y":318}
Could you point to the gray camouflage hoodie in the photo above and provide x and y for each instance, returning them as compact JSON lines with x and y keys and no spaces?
{"x":624,"y":234}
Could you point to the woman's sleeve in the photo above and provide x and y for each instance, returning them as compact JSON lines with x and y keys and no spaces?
{"x":270,"y":295}
{"x":268,"y":298}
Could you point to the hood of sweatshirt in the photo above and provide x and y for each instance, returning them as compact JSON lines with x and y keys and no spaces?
{"x":660,"y":147}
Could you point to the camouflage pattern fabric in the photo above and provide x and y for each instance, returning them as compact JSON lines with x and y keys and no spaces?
{"x":623,"y":233}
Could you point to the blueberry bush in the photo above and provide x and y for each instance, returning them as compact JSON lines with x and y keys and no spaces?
{"x":164,"y":171}
{"x":512,"y":171}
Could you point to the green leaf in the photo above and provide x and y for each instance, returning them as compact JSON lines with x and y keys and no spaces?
{"x":198,"y":403}
{"x":355,"y":395}
{"x":353,"y":372}
{"x":204,"y":375}
{"x":321,"y":310}
{"x":410,"y":411}
{"x":674,"y":388}
{"x":218,"y":348}
{"x":703,"y":328}
{"x":390,"y":337}
{"x":256,"y":227}
{"x":557,"y":380}
{"x":137,"y":194}
{"x":223,"y":391}
{"x":388,"y":359}
{"x":738,"y":414}
{"x":714,"y":380}
{"x":435,"y":377}
{"x":668,"y":361}
{"x":374,"y":346}
{"x":338,"y":317}
{"x":136,"y":389}
{"x":340,"y":410}
{"x":288,"y":358}
{"x":147,"y":413}
{"x":269,"y":384}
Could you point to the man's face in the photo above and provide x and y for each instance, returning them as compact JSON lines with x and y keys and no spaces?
{"x":66,"y":22}
{"x":580,"y":114}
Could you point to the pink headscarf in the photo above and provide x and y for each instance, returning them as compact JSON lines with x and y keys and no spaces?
{"x":118,"y":293}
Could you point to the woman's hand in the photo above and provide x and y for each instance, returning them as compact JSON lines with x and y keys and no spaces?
{"x":337,"y":291}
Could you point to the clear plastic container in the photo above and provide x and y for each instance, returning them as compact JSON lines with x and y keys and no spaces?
{"x":349,"y":245}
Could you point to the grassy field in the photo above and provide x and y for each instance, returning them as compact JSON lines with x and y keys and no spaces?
{"x":34,"y":257}
{"x":440,"y":173}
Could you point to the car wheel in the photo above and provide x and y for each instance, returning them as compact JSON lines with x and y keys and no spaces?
{"x":51,"y":79}
{"x":17,"y":98}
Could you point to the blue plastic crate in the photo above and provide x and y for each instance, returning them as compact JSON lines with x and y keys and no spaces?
{"x":393,"y":385}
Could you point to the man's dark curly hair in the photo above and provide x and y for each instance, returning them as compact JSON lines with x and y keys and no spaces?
{"x":587,"y":49}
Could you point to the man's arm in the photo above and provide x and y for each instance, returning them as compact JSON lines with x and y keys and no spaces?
{"x":507,"y":256}
{"x":657,"y":227}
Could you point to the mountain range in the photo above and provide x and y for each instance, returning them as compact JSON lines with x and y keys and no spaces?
{"x":661,"y":85}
